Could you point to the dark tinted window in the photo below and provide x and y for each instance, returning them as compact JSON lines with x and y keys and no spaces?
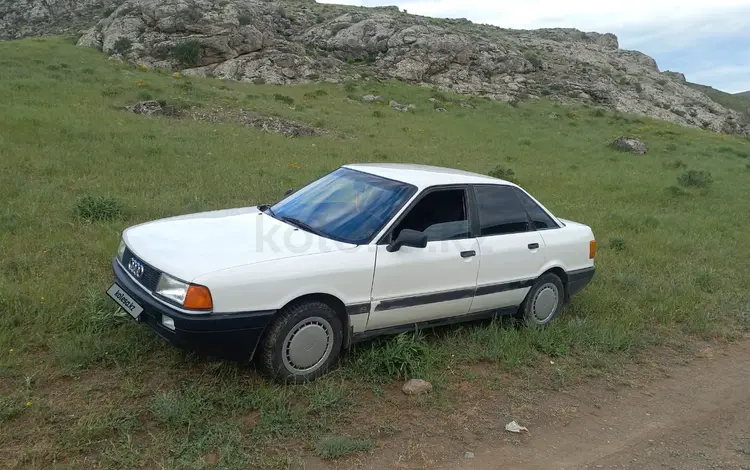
{"x":500,"y":211}
{"x":440,"y":214}
{"x":539,"y":218}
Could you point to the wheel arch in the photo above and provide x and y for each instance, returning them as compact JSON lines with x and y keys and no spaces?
{"x":332,"y":301}
{"x":563,"y":275}
{"x":557,"y":271}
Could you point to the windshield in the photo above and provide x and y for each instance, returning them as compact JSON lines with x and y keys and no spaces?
{"x":345,"y":205}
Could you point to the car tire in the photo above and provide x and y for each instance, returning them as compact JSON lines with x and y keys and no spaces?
{"x":544,"y":302}
{"x":302,"y":342}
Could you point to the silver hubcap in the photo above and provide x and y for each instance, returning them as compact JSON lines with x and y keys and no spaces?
{"x":308,"y":345}
{"x":545,"y":303}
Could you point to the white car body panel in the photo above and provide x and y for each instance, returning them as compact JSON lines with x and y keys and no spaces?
{"x":423,"y":176}
{"x":507,"y":260}
{"x":568,"y":246}
{"x":344,"y":274}
{"x":413,"y":272}
{"x":251,"y":261}
{"x":194,"y":244}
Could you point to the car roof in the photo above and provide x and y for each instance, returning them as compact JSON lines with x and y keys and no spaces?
{"x":424,"y":176}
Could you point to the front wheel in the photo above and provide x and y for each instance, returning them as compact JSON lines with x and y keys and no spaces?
{"x":303,"y":342}
{"x":544,"y":301}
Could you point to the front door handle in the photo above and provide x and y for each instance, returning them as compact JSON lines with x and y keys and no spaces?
{"x":533,"y":246}
{"x":468,"y":254}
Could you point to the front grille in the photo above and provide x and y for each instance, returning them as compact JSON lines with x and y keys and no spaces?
{"x":150,"y":277}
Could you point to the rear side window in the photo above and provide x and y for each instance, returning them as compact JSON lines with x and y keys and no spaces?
{"x":538,"y":217}
{"x":500,"y":211}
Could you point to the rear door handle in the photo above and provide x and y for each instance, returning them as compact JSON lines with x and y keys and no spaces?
{"x":468,"y":254}
{"x":533,"y":246}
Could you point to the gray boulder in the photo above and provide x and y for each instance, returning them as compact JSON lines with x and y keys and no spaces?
{"x":372,"y":98}
{"x":416,"y":387}
{"x":146,"y":108}
{"x":401,"y":107}
{"x":629,"y":144}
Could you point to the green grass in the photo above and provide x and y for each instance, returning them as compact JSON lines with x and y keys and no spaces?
{"x":94,"y":208}
{"x":83,"y":383}
{"x":339,"y":446}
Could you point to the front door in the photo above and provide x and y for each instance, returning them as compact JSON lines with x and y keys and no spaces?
{"x":413,"y":285}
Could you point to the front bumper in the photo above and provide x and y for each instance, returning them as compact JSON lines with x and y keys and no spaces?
{"x":230,"y":335}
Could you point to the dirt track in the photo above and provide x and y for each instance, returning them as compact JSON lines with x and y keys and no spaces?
{"x":696,"y":419}
{"x":694,"y":416}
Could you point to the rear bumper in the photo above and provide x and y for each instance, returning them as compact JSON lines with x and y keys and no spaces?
{"x":579,"y":279}
{"x":230,"y":335}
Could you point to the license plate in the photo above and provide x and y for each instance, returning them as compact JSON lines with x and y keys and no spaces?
{"x":125,"y":301}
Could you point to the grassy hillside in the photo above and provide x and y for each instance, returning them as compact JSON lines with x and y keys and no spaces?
{"x":82,"y":387}
{"x":744,"y":94}
{"x":737,"y":102}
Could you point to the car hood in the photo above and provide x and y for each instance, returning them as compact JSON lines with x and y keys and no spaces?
{"x":191,"y":245}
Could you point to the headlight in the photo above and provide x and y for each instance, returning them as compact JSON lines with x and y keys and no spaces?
{"x":189,"y":296}
{"x":172,"y":289}
{"x":121,"y":250}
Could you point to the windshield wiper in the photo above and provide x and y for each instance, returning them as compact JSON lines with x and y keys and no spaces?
{"x":267,"y":207}
{"x":300,"y":224}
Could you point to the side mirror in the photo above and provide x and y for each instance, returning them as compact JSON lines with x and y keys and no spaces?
{"x":408,"y":237}
{"x":288,"y":192}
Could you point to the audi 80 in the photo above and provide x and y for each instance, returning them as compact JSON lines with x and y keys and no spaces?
{"x":363,"y":251}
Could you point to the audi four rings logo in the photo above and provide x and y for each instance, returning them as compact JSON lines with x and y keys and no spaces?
{"x":135,"y":268}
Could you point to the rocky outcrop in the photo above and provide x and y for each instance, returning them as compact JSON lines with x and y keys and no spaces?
{"x":22,"y":18}
{"x":676,"y":76}
{"x":233,"y":115}
{"x":285,"y":42}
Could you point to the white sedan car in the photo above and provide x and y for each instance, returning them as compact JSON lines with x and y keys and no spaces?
{"x":366,"y":250}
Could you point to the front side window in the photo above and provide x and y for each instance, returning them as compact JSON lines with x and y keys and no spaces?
{"x":345,"y":205}
{"x":538,"y":217}
{"x":500,"y":211}
{"x":441,"y":215}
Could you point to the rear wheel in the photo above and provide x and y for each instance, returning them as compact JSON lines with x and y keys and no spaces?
{"x":544,"y":301}
{"x":302,"y":343}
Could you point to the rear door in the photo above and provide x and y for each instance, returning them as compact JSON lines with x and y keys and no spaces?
{"x":512,"y":251}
